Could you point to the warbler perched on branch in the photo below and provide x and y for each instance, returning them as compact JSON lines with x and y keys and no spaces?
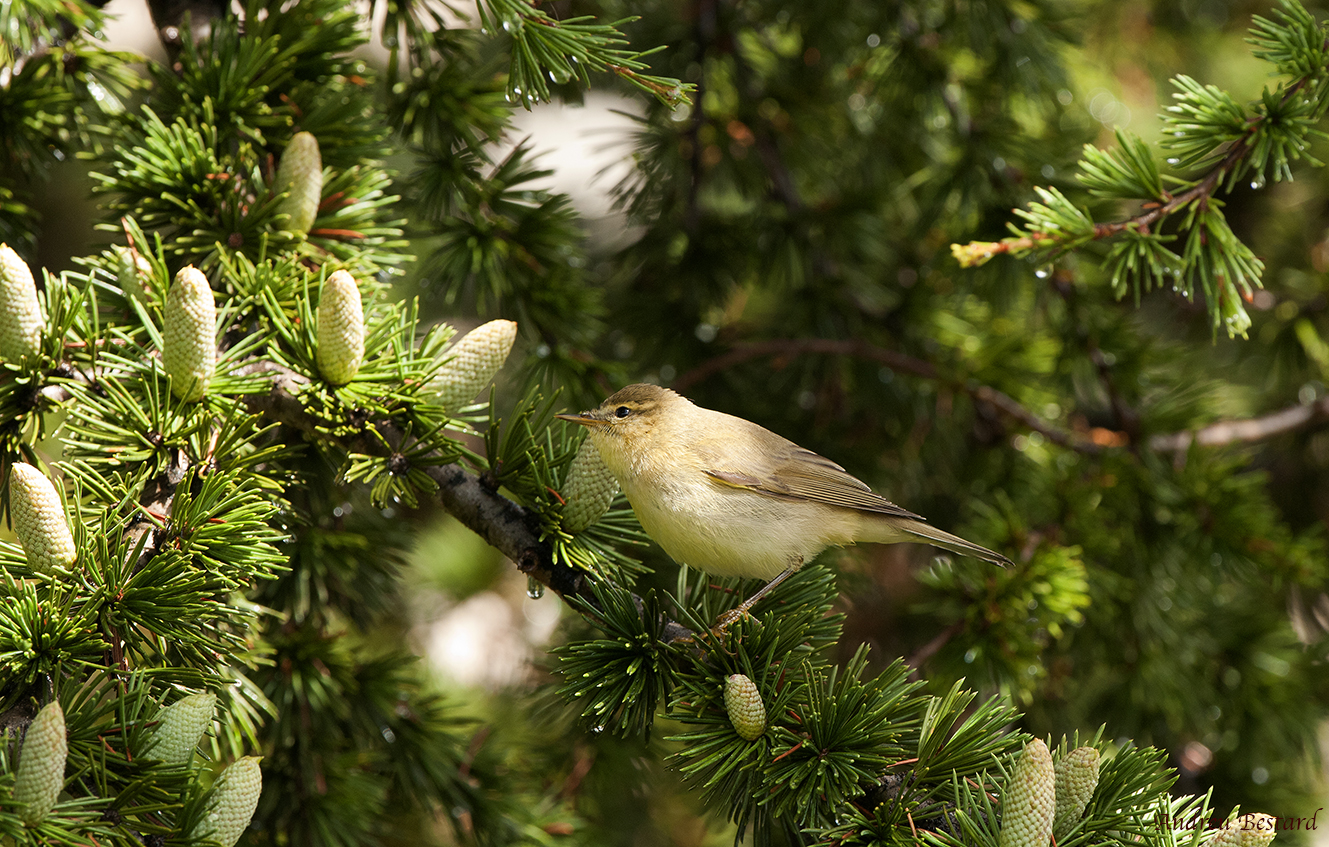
{"x":732,"y":498}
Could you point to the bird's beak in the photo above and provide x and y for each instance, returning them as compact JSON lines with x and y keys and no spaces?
{"x":583,"y":418}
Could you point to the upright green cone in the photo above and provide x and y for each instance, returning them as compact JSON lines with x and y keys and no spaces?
{"x":131,"y":271}
{"x":41,"y":764}
{"x":742,"y":700}
{"x":473,"y":362}
{"x":300,"y":177}
{"x":235,"y":796}
{"x":589,"y":489}
{"x":1076,"y":779}
{"x":39,"y":519}
{"x":180,"y":727}
{"x":21,"y":318}
{"x":1029,"y":802}
{"x":189,"y":344}
{"x":341,"y":329}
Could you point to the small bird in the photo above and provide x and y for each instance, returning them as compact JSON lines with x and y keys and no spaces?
{"x":732,"y":498}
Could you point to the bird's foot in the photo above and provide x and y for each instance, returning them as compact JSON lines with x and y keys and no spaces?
{"x":727,"y":619}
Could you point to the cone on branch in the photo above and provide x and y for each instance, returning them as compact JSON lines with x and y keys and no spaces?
{"x":181,"y":726}
{"x":589,"y":489}
{"x":41,"y":765}
{"x":131,"y":271}
{"x":743,"y":702}
{"x":341,"y":329}
{"x":1076,"y":779}
{"x":1254,"y":830}
{"x":1029,"y":802}
{"x":21,"y":319}
{"x":189,"y":344}
{"x":38,"y":519}
{"x":234,"y":799}
{"x":300,"y":178}
{"x":473,"y":362}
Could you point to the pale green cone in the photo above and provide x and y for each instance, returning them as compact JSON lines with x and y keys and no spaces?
{"x":341,"y":329}
{"x":189,"y":344}
{"x":21,"y":318}
{"x":1254,"y":830}
{"x":235,"y":796}
{"x":38,"y":519}
{"x":41,"y":764}
{"x":743,"y":702}
{"x":473,"y":362}
{"x":1076,"y":779}
{"x":300,"y":177}
{"x":589,"y":489}
{"x":1029,"y":802}
{"x":131,"y":271}
{"x":180,"y":726}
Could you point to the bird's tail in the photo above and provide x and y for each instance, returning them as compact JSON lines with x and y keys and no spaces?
{"x":895,"y":529}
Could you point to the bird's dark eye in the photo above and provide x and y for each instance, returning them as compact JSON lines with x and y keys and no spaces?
{"x":622,"y":412}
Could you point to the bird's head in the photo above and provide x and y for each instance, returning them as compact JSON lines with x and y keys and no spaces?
{"x":630,"y":422}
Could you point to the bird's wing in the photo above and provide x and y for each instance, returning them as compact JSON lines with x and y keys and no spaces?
{"x":793,"y":473}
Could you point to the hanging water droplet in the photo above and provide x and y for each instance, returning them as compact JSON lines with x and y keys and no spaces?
{"x":534,"y":588}
{"x":507,"y":27}
{"x":1043,"y":272}
{"x":1258,"y":183}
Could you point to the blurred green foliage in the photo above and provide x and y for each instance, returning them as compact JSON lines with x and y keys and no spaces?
{"x":800,"y":172}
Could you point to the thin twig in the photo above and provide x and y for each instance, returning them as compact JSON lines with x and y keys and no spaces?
{"x":1246,"y":431}
{"x":1153,"y":211}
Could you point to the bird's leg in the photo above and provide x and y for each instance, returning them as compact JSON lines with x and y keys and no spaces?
{"x":723,"y":622}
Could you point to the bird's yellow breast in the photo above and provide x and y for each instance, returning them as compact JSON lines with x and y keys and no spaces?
{"x":717,"y":528}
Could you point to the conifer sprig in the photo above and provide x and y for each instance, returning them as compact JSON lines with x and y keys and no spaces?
{"x":400,"y":474}
{"x":616,"y":682}
{"x":546,"y":50}
{"x":1206,"y":129}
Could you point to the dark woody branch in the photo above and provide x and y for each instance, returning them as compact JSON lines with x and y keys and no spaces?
{"x":508,"y":527}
